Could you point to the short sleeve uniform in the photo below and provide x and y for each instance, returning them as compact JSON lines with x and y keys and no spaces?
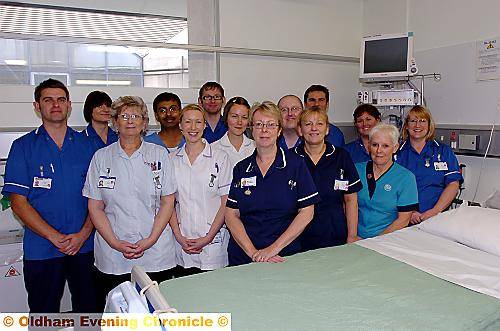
{"x":155,"y":139}
{"x":52,"y":180}
{"x":434,"y":168}
{"x":357,"y":151}
{"x":201,"y":186}
{"x":379,"y":201}
{"x":131,"y":188}
{"x":268,"y":204}
{"x":96,"y":141}
{"x":334,"y":176}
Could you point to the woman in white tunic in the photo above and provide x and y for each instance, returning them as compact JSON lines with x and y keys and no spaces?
{"x":234,"y":142}
{"x":130,"y":186}
{"x":203,"y":179}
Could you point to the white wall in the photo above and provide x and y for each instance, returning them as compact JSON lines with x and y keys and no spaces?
{"x":311,"y":26}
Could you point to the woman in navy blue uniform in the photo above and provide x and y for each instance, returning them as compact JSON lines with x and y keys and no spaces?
{"x":96,"y":111}
{"x":434,"y":164}
{"x":337,"y":181}
{"x":272,"y":196}
{"x":365,"y":118}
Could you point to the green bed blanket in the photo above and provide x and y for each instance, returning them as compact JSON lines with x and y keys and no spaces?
{"x":342,"y":288}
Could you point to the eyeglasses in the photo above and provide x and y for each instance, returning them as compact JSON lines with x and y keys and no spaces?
{"x":293,"y":109}
{"x":420,"y":120}
{"x":210,"y":97}
{"x":133,"y":117}
{"x":171,"y":109}
{"x":269,"y":125}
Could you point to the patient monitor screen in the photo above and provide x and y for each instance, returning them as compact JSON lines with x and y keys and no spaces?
{"x":386,"y":55}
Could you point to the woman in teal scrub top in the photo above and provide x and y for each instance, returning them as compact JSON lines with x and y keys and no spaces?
{"x":389,"y":193}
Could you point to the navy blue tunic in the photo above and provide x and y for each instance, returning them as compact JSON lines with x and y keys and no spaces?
{"x":329,"y":225}
{"x":268,"y":204}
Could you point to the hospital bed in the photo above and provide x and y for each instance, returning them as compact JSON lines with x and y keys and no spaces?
{"x":412,"y":279}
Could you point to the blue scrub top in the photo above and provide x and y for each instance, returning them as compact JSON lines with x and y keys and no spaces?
{"x":334,"y":137}
{"x":219,"y":132}
{"x":155,"y":139}
{"x":430,"y":182}
{"x":62,"y":206}
{"x":329,"y":225}
{"x":96,"y":141}
{"x":379,"y":201}
{"x":268,"y":208}
{"x":357,"y":151}
{"x":283,"y":145}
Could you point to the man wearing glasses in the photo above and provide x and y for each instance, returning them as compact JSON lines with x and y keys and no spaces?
{"x":290,"y":107}
{"x":211,"y":99}
{"x":44,"y":177}
{"x":167,"y":110}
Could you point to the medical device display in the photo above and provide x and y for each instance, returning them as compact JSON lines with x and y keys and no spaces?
{"x":387,"y":57}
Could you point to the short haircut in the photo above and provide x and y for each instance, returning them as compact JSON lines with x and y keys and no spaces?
{"x":166,"y":96}
{"x":128,"y":101}
{"x":293,"y":96}
{"x":49,"y":83}
{"x":234,"y":101}
{"x":315,"y":110}
{"x":210,"y":86}
{"x":192,"y":106}
{"x":267,"y":108}
{"x":389,"y":129}
{"x":314,"y":88}
{"x":95,"y":99}
{"x":420,"y":112}
{"x":366,"y":108}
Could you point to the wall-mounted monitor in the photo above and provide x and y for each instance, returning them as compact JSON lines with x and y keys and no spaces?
{"x":387,"y":57}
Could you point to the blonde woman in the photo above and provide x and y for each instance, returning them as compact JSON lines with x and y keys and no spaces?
{"x":203,"y":177}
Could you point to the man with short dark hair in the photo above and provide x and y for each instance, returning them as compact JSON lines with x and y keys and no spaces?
{"x":211,"y":99}
{"x":167,"y":110}
{"x":319,"y":96}
{"x":44,"y":178}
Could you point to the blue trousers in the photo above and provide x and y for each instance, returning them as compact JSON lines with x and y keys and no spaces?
{"x":44,"y":281}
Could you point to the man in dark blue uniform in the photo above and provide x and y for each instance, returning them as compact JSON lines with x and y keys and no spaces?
{"x":319,"y":96}
{"x":211,"y":99}
{"x":44,"y":177}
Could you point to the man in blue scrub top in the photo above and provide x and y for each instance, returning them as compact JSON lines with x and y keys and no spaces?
{"x":319,"y":96}
{"x":291,"y":108}
{"x":211,"y":99}
{"x":167,"y":109}
{"x":44,"y":177}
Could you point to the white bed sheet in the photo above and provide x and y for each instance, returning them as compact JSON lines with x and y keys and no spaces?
{"x":471,"y":268}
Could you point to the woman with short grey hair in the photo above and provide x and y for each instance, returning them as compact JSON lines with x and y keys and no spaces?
{"x":130,"y":185}
{"x":389,"y":193}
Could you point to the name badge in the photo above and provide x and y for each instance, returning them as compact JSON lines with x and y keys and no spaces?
{"x":249,"y":181}
{"x":440,"y":166}
{"x":106,"y":182}
{"x":41,"y":182}
{"x":341,"y":185}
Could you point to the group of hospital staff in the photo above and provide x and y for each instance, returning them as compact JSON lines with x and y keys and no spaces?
{"x":200,"y":194}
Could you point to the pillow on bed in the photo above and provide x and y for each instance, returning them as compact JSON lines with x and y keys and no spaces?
{"x":475,"y":227}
